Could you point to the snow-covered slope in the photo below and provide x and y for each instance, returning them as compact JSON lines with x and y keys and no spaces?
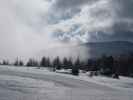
{"x":22,"y":83}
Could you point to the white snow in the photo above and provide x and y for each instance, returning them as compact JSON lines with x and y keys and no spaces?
{"x":124,"y":83}
{"x":30,"y":83}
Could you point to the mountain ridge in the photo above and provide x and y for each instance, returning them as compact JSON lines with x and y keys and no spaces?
{"x":92,"y":49}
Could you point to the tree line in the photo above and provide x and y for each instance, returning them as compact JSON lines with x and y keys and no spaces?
{"x":106,"y":65}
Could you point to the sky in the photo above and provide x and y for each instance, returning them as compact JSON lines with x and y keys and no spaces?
{"x":29,"y":26}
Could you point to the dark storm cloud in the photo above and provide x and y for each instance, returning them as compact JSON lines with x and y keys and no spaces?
{"x":123,"y":8}
{"x":114,"y":18}
{"x":68,"y":4}
{"x":123,"y":21}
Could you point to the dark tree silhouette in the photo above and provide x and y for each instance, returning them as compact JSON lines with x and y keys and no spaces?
{"x":5,"y":62}
{"x":75,"y":68}
{"x":107,"y":65}
{"x":69,"y":63}
{"x":65,"y":63}
{"x":57,"y":63}
{"x":48,"y":62}
{"x":18,"y":63}
{"x":32,"y":62}
{"x":43,"y":62}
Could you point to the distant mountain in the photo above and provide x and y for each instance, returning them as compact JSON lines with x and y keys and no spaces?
{"x":114,"y":48}
{"x":91,"y":50}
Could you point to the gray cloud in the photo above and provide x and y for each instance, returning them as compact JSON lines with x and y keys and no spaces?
{"x":92,"y":18}
{"x":28,"y":26}
{"x":123,"y":20}
{"x":69,"y":4}
{"x":109,"y":17}
{"x":123,"y":8}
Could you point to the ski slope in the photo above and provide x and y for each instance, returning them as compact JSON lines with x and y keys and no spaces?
{"x":22,"y":83}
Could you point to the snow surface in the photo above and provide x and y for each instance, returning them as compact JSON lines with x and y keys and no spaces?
{"x":30,"y":83}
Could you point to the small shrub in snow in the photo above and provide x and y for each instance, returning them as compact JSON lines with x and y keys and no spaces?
{"x":116,"y":76}
{"x":75,"y":71}
{"x":93,"y":73}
